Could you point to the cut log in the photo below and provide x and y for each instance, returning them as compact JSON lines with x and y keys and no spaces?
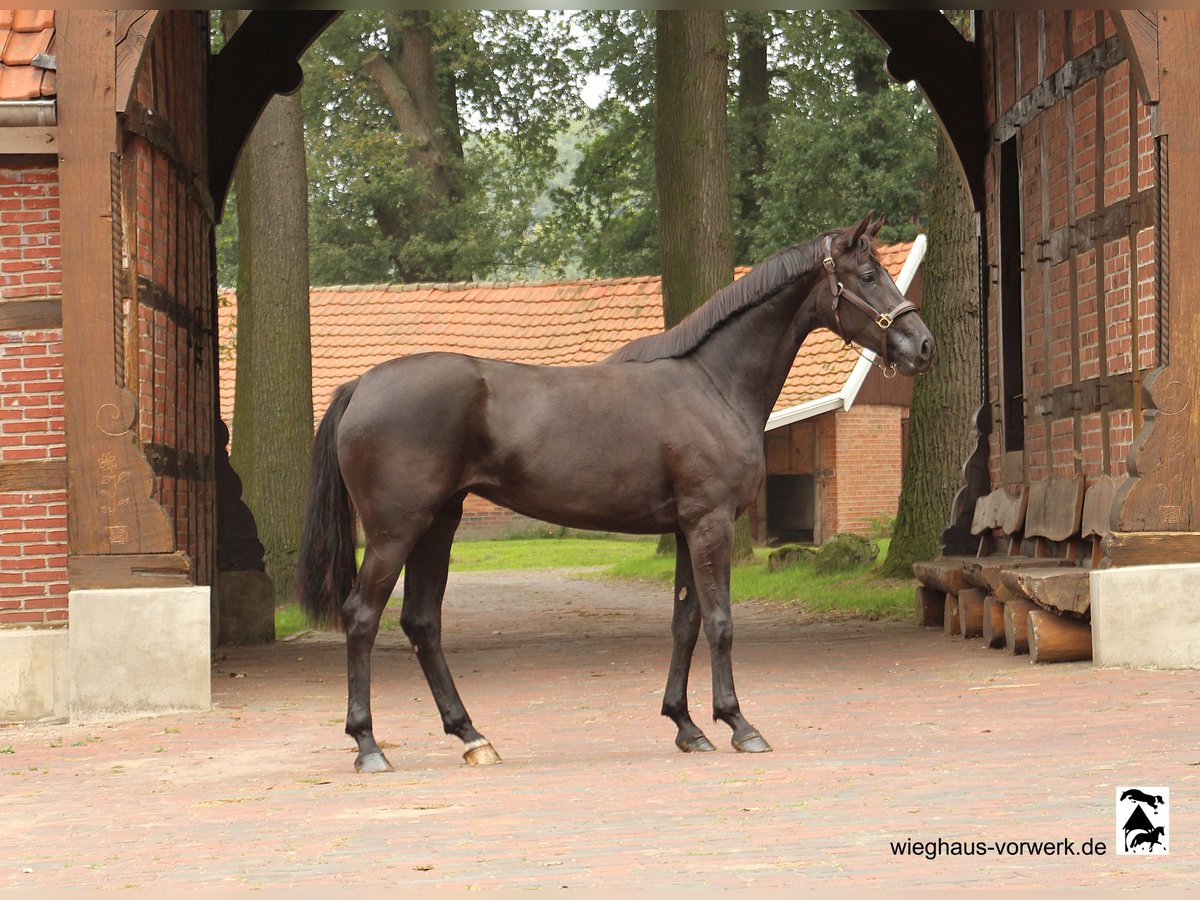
{"x":970,"y":612}
{"x":987,"y":572}
{"x":950,"y":620}
{"x":1055,"y":638}
{"x":1005,"y":595}
{"x":1016,"y":625}
{"x":993,"y":623}
{"x":1062,"y":589}
{"x":942,"y":574}
{"x":931,"y":606}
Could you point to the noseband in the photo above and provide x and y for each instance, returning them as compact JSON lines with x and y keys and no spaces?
{"x":883,"y":320}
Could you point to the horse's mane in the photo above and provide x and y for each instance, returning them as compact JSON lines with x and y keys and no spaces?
{"x":759,"y":285}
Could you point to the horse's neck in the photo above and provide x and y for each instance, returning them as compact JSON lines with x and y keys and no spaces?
{"x":750,"y":357}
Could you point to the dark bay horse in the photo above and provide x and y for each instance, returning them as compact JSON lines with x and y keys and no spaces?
{"x":666,"y":435}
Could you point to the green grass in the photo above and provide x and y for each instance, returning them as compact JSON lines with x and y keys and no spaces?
{"x":547,"y":553}
{"x":861,"y":593}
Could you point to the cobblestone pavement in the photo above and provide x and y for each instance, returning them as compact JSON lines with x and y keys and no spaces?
{"x":883,"y":732}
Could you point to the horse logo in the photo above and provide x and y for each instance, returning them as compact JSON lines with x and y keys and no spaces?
{"x":1142,"y":820}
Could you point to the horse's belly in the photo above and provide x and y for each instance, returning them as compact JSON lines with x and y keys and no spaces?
{"x":577,"y":506}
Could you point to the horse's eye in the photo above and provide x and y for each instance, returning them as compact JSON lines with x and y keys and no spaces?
{"x":867,"y":278}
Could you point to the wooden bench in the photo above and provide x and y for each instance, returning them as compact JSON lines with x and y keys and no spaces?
{"x":942,"y":579}
{"x":1052,"y":521}
{"x":1057,"y":601}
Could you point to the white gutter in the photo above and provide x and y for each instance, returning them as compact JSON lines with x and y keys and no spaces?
{"x":844,"y":399}
{"x":27,"y":113}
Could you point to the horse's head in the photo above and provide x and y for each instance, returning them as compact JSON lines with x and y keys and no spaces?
{"x":858,"y":301}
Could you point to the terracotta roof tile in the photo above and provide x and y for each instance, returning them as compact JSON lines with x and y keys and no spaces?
{"x":24,"y":33}
{"x":549,"y":323}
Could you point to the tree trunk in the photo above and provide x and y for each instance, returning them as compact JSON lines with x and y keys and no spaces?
{"x":273,"y":414}
{"x":752,"y":120}
{"x":691,"y":166}
{"x":941,"y":435}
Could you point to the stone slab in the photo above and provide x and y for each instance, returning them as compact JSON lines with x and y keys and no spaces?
{"x":1146,"y":617}
{"x":33,"y":675}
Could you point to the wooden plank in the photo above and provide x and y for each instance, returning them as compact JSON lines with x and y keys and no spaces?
{"x":33,"y":475}
{"x":31,"y":315}
{"x":29,"y":140}
{"x":129,"y":570}
{"x":1149,"y":548}
{"x":1062,"y":589}
{"x":111,"y":509}
{"x":1055,"y":508}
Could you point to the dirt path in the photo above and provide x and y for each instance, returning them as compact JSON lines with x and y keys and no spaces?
{"x":883,"y":733}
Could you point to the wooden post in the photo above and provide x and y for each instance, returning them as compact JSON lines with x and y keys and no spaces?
{"x":931,"y":606}
{"x":1058,"y":638}
{"x":970,"y":612}
{"x":993,"y":623}
{"x":950,"y":619}
{"x":1016,"y":625}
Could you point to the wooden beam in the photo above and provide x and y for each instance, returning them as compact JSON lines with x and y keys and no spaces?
{"x":258,"y":62}
{"x":33,"y":475}
{"x":1138,"y":29}
{"x":111,"y":508}
{"x":1058,"y":639}
{"x":1164,"y":495}
{"x":29,"y":140}
{"x":927,"y":49}
{"x":134,"y":29}
{"x":129,"y":570}
{"x":1150,"y":548}
{"x":31,"y":315}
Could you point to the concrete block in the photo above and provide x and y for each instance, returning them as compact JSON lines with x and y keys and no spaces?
{"x":139,"y":651}
{"x":34,"y":680}
{"x":1146,"y":617}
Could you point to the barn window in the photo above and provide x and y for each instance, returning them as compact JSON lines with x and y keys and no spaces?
{"x":1011,"y":324}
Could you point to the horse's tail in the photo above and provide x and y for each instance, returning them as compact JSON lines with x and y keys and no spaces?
{"x":326,"y":566}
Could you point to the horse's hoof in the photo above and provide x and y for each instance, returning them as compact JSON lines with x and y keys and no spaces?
{"x":372,"y":764}
{"x":481,"y":753}
{"x":751,"y":743}
{"x":697,"y":744}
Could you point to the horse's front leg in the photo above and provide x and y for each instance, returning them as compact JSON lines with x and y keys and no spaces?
{"x":685,"y":629}
{"x":711,"y":545}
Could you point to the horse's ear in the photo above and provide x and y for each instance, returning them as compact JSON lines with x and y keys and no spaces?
{"x":875,"y":227}
{"x":860,"y":229}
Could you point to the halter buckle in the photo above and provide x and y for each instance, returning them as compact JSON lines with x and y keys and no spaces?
{"x":827,"y":262}
{"x":885,"y":321}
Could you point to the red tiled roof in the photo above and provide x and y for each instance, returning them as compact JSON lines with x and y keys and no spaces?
{"x":24,"y":33}
{"x":543,"y":323}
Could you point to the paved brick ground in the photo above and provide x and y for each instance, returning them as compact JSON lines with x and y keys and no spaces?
{"x":882,"y":731}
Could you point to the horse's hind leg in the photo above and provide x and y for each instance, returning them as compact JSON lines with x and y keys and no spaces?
{"x":361,"y":612}
{"x":421,"y":617}
{"x":685,"y":628}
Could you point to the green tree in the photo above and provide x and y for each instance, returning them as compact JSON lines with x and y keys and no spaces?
{"x":430,"y":137}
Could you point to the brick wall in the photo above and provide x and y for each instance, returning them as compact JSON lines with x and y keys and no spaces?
{"x":1089,"y":278}
{"x":860,"y":467}
{"x":33,"y":523}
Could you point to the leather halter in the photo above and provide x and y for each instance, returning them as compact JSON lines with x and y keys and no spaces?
{"x":883,"y":320}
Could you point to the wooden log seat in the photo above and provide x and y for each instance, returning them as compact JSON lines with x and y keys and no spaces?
{"x":1053,"y":514}
{"x":1054,"y":638}
{"x":998,"y":511}
{"x":1062,"y":589}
